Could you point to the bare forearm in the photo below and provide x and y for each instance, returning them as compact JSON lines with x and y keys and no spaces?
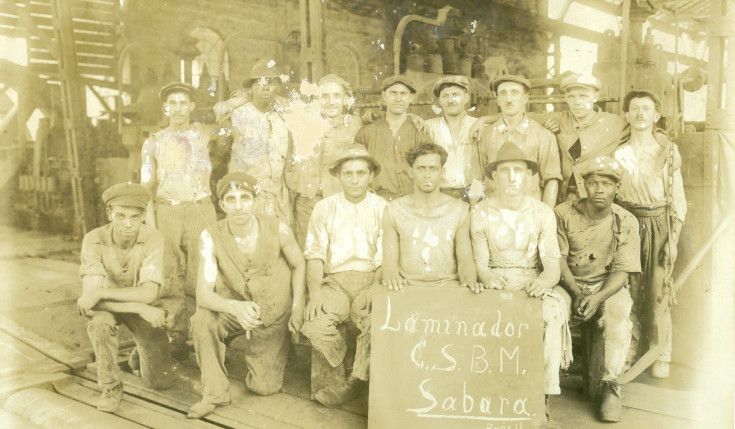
{"x":145,"y":293}
{"x":314,"y":274}
{"x":568,"y":281}
{"x":122,"y":307}
{"x":551,"y":273}
{"x":551,"y":191}
{"x":614,"y":282}
{"x":297,"y":284}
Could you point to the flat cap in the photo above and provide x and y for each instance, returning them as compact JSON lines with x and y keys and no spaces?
{"x":262,"y":69}
{"x":333,"y":78}
{"x":510,"y":152}
{"x":602,"y":165}
{"x":236,"y":180}
{"x":577,"y":80}
{"x":126,"y":194}
{"x":352,"y":152}
{"x":511,"y":78}
{"x":454,"y":80}
{"x":399,"y":78}
{"x":176,"y":87}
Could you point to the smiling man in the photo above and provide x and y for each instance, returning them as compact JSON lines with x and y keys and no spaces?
{"x":388,"y":140}
{"x":251,"y":281}
{"x":600,"y":248}
{"x":652,"y":189}
{"x":344,"y":252}
{"x":122,"y":283}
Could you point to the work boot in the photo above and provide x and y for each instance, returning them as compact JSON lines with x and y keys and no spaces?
{"x":611,"y":406}
{"x":660,"y":369}
{"x":335,"y":396}
{"x":204,"y":408}
{"x":110,"y":399}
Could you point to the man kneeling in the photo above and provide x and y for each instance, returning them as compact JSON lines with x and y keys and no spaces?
{"x":245,"y":286}
{"x":122,"y":282}
{"x":600,"y":246}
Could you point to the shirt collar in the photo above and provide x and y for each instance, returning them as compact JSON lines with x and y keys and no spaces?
{"x":521,"y":128}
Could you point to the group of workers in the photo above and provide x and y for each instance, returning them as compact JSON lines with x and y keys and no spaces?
{"x":581,"y":209}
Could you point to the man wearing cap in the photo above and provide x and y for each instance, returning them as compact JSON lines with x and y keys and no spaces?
{"x":452,"y":132}
{"x":251,"y":280}
{"x":343,"y":251}
{"x":176,"y":168}
{"x":122,"y":283}
{"x":600,"y":248}
{"x":652,"y":189}
{"x":262,"y":141}
{"x":532,"y":138}
{"x":388,"y":140}
{"x":312,"y":180}
{"x":426,"y":239}
{"x":512,"y":233}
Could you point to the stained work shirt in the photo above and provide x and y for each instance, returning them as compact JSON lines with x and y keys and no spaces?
{"x":597,"y":247}
{"x":145,"y":263}
{"x":346,"y":236}
{"x":538,"y":143}
{"x":181,"y":161}
{"x":463,"y":163}
{"x":390,"y":152}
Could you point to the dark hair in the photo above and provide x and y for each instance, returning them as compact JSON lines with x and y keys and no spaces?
{"x":426,"y":149}
{"x":640,"y":94}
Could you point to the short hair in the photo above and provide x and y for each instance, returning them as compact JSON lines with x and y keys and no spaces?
{"x":426,"y":149}
{"x":640,"y":94}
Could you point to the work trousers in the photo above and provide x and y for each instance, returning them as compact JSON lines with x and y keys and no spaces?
{"x":152,"y":345}
{"x":557,"y":337}
{"x":181,"y":226}
{"x":346,"y":297}
{"x":266,"y":353}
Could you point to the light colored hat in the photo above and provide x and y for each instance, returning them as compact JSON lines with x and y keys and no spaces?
{"x":602,"y":165}
{"x":511,"y":78}
{"x":455,"y":80}
{"x":510,"y":152}
{"x":577,"y":80}
{"x":352,"y":152}
{"x":127,"y":194}
{"x":262,"y":69}
{"x":338,"y":80}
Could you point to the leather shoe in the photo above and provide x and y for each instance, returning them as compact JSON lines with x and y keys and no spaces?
{"x":611,"y":406}
{"x":660,"y":369}
{"x":335,"y":396}
{"x":110,"y":399}
{"x":202,"y":408}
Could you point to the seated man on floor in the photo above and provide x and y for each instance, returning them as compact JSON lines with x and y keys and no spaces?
{"x":122,"y":282}
{"x":251,"y":280}
{"x":600,"y":247}
{"x":511,"y":234}
{"x":426,"y":239}
{"x":343,"y":252}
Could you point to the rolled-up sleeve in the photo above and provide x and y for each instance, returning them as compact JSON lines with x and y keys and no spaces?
{"x":317,"y":238}
{"x":151,"y":269}
{"x":561,"y":230}
{"x":548,"y":245}
{"x":627,"y":256}
{"x":91,"y":257}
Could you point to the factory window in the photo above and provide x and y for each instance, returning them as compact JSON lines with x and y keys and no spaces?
{"x":209,"y":44}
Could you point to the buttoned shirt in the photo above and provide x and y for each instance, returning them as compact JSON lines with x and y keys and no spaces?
{"x":181,"y":163}
{"x":463,"y":162}
{"x":346,"y":236}
{"x":538,"y":143}
{"x":597,"y":247}
{"x":390,"y":152}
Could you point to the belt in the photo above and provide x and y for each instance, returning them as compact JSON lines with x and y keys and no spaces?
{"x":166,"y":201}
{"x":643,"y":211}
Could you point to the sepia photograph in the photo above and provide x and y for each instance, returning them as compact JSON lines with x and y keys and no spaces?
{"x":367,"y":214}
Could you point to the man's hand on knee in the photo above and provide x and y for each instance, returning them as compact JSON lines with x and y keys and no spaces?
{"x":314,"y":306}
{"x":247,"y":314}
{"x":588,"y":306}
{"x":536,"y":289}
{"x":154,"y":315}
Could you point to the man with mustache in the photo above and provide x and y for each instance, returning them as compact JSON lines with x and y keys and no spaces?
{"x":251,"y":281}
{"x":176,"y":168}
{"x":344,"y":252}
{"x":388,"y":140}
{"x":122,"y":283}
{"x":514,"y":126}
{"x":652,"y":189}
{"x":426,"y":236}
{"x":600,"y":248}
{"x":452,"y":132}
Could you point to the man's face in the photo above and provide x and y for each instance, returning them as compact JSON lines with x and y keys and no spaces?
{"x":512,"y":98}
{"x":642,"y":113}
{"x":453,"y":100}
{"x":178,"y":107}
{"x":397,"y":98}
{"x":238,"y":205}
{"x":580,"y":101}
{"x":332,"y":98}
{"x":125,"y":220}
{"x":264,"y":91}
{"x":355,"y":177}
{"x":600,"y":190}
{"x":427,"y":172}
{"x":510,"y":176}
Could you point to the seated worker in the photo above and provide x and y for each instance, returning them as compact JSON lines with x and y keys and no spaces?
{"x":343,"y":252}
{"x":122,"y":282}
{"x":251,"y":280}
{"x":511,"y":232}
{"x":600,"y":247}
{"x":426,"y":236}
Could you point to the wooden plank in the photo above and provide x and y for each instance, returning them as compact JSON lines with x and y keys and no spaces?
{"x":18,"y":357}
{"x":131,"y":408}
{"x":676,"y":403}
{"x":10,"y":385}
{"x":8,"y":420}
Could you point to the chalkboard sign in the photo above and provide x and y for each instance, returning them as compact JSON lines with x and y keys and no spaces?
{"x":447,"y":358}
